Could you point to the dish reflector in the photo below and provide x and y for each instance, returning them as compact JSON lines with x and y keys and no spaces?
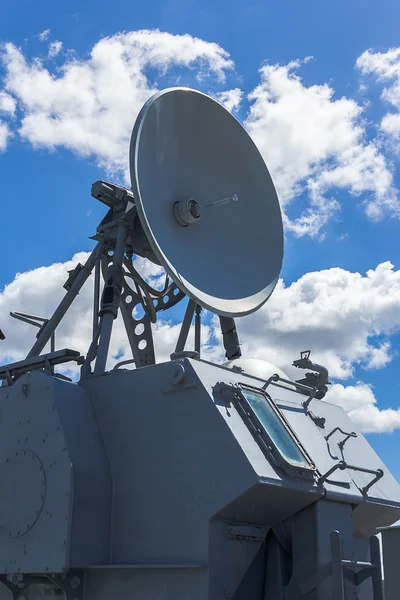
{"x":224,"y":249}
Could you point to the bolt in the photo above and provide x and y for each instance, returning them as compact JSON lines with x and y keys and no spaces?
{"x":75,"y":582}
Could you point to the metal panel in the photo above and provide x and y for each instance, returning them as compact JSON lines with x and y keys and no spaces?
{"x":55,"y":492}
{"x":391,"y":562}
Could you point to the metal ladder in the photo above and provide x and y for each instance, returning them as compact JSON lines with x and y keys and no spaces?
{"x":341,"y":569}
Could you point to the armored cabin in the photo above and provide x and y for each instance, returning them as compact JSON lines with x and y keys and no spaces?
{"x":185,"y":480}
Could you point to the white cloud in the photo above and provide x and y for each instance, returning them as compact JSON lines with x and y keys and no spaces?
{"x":385,"y":66}
{"x":341,"y":316}
{"x":230,"y":99}
{"x":90,"y":107}
{"x":335,"y":313}
{"x":7,"y":103}
{"x":314,"y":143}
{"x":39,"y":291}
{"x":44,"y":35}
{"x":5,"y":133}
{"x":360,"y":402}
{"x":54,"y":48}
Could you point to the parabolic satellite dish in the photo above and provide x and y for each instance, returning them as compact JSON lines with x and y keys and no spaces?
{"x":206,"y":201}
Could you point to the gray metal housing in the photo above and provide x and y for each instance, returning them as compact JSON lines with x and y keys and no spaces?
{"x":155,"y":488}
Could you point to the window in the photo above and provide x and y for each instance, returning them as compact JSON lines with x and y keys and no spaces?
{"x":272,"y":431}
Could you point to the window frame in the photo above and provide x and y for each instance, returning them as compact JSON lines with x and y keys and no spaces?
{"x":263,"y":439}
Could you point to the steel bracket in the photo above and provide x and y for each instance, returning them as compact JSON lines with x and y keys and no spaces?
{"x":71,"y":584}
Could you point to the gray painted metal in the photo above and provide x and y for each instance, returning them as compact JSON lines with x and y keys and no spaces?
{"x":391,"y":561}
{"x":155,"y":488}
{"x":73,"y":290}
{"x":186,"y":145}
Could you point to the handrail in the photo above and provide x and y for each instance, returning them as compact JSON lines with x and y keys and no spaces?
{"x":342,"y":465}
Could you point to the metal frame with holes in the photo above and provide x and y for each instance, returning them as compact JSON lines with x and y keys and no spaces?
{"x":269,"y":448}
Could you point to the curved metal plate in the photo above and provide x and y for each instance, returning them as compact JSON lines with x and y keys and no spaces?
{"x":186,"y":145}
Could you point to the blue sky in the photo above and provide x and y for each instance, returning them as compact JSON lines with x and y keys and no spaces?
{"x":48,"y":213}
